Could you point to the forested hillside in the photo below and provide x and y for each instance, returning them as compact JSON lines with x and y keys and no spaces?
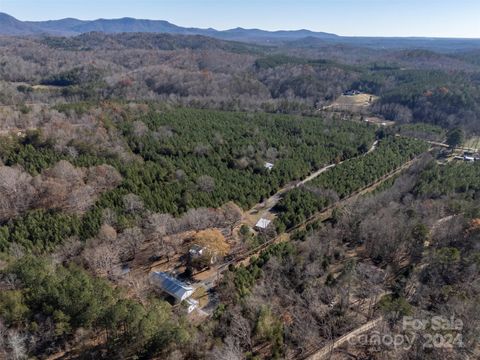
{"x":177,"y":197}
{"x":346,"y":178}
{"x":305,"y":286}
{"x":413,"y":85}
{"x":182,"y":159}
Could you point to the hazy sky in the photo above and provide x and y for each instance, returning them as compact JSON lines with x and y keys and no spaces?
{"x":440,"y":18}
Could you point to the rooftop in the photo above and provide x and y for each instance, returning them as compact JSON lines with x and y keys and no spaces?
{"x":179,"y":290}
{"x":268,"y":166}
{"x":262,"y":223}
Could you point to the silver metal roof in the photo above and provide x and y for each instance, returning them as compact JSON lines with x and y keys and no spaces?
{"x":172,"y":286}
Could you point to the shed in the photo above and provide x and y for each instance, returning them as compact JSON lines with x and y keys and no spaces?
{"x":268,"y":166}
{"x":196,"y":251}
{"x":179,"y":290}
{"x":262,"y":224}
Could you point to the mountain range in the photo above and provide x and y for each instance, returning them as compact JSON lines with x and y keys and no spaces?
{"x":304,"y":38}
{"x":69,"y":27}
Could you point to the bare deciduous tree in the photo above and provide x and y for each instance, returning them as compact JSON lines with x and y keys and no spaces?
{"x":102,"y":258}
{"x":129,"y":242}
{"x":206,"y":183}
{"x":102,"y":254}
{"x":230,"y":350}
{"x":16,"y":191}
{"x":133,"y":203}
{"x":16,"y":343}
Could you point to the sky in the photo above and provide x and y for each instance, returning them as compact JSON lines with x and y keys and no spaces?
{"x":431,"y":18}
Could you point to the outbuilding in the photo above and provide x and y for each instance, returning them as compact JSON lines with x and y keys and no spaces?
{"x":172,"y":286}
{"x":262,"y":224}
{"x":196,"y":251}
{"x":268,"y":166}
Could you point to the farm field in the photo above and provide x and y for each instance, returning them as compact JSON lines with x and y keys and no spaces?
{"x":352,"y":103}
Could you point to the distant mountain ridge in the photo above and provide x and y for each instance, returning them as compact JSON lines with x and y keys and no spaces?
{"x":293,"y":38}
{"x":70,"y":26}
{"x":11,"y":26}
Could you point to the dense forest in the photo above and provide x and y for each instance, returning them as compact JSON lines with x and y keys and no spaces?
{"x":414,"y":85}
{"x":345,"y":179}
{"x":187,"y":159}
{"x":291,"y":217}
{"x":308,"y":298}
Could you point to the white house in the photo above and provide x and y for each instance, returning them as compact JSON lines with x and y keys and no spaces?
{"x":262,"y":224}
{"x":268,"y":166}
{"x":168,"y":284}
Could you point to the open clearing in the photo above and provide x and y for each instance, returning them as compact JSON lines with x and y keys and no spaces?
{"x":352,"y":103}
{"x":38,"y":87}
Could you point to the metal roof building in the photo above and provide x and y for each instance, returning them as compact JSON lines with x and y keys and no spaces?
{"x":262,"y":223}
{"x":179,"y":290}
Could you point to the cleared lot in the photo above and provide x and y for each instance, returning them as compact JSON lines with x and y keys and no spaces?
{"x":352,"y":103}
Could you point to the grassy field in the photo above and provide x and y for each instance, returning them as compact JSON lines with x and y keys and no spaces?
{"x":353,"y":103}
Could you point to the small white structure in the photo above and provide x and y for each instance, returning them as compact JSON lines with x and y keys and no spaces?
{"x":168,"y":284}
{"x":262,"y":224}
{"x":196,"y":251}
{"x":468,"y":158}
{"x":192,"y":304}
{"x":268,"y":166}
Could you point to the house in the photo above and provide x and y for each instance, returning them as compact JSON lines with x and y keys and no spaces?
{"x":268,"y":166}
{"x":351,"y":93}
{"x":262,"y":224}
{"x":173,"y":287}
